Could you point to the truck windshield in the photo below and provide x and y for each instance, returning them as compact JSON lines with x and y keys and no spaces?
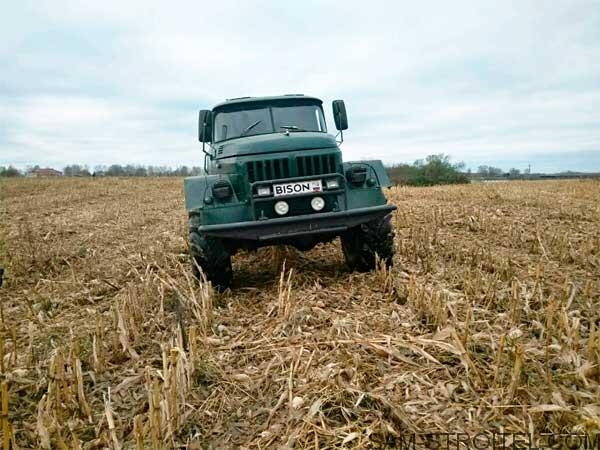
{"x":272,"y":119}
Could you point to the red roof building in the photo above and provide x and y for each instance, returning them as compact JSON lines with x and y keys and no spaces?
{"x":45,"y":173}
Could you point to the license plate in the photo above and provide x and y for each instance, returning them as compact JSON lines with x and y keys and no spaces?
{"x":301,"y":187}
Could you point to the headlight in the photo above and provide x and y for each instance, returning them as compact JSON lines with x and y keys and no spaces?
{"x":332,"y":183}
{"x":357,"y":175}
{"x":282,"y":208}
{"x":222,"y":190}
{"x":263,"y":191}
{"x":317,"y":203}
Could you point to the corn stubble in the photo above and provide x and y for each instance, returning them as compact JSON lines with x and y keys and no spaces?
{"x":488,"y":320}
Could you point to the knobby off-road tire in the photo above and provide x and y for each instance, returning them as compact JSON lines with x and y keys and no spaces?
{"x":211,"y":255}
{"x":360,"y":244}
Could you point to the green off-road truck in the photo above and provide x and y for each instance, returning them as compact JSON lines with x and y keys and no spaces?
{"x":274,"y":176}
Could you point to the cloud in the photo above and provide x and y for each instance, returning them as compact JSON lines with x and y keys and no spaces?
{"x":122,"y":82}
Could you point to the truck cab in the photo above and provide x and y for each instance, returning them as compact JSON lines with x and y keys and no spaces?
{"x":275,"y":176}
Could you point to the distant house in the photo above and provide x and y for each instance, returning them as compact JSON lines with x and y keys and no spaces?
{"x":45,"y":173}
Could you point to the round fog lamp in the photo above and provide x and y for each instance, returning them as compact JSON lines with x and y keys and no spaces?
{"x":282,"y":208}
{"x":317,"y":203}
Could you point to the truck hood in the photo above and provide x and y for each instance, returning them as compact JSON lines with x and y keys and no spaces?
{"x":274,"y":142}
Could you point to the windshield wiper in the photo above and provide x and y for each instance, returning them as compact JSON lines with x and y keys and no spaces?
{"x":292,"y":128}
{"x":249,"y":127}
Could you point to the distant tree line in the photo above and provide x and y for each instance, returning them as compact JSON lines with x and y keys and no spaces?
{"x":489,"y":171}
{"x":496,"y":172}
{"x":435,"y":169}
{"x":9,"y":171}
{"x":113,"y":170}
{"x":131,"y":170}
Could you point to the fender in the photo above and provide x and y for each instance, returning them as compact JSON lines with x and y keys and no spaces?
{"x":197,"y":188}
{"x":376,"y":171}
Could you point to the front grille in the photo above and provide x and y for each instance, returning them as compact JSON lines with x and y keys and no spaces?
{"x":315,"y":165}
{"x":302,"y":166}
{"x":269,"y":169}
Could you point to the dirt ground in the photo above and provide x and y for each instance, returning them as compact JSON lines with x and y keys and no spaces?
{"x":488,"y":322}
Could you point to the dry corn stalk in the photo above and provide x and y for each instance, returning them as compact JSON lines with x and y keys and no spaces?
{"x":6,"y":428}
{"x":2,"y":369}
{"x":41,"y":427}
{"x":98,"y":349}
{"x":138,"y":431}
{"x":516,"y":375}
{"x":284,"y":305}
{"x":116,"y":445}
{"x":83,"y":404}
{"x":124,"y":334}
{"x":155,"y":422}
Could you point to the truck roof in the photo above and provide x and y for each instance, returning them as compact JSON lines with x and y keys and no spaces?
{"x":239,"y":100}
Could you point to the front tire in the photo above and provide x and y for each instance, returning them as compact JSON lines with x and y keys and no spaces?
{"x":210,"y":254}
{"x":360,"y":244}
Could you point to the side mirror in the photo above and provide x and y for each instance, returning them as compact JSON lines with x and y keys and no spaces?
{"x":205,"y":125}
{"x":339,"y":114}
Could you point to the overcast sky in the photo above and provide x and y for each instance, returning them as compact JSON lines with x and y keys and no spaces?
{"x":502,"y":83}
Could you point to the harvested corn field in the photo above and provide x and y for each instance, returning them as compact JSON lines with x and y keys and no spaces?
{"x":488,"y":322}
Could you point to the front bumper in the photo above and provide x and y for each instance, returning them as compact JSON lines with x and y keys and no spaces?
{"x":287,"y":227}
